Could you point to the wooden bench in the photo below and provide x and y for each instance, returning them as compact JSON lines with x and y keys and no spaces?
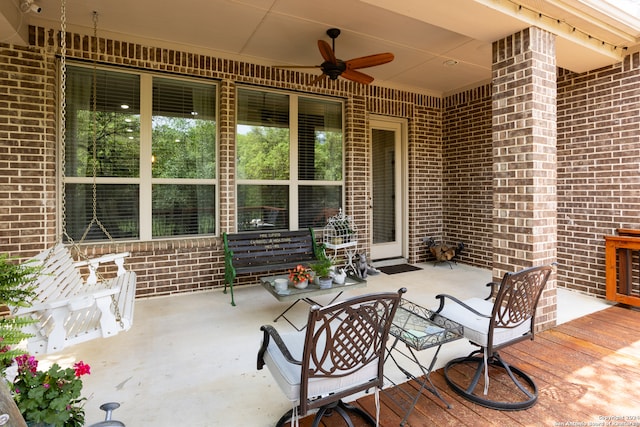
{"x":261,"y":252}
{"x":68,"y":310}
{"x":621,"y":271}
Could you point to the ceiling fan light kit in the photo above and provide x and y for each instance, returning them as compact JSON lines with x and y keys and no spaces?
{"x":333,"y":67}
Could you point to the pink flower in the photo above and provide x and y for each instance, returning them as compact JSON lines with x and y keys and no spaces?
{"x":82,"y":369}
{"x":27,"y":363}
{"x":45,"y":385}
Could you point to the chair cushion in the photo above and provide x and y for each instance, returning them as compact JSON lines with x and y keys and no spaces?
{"x":287,"y":375}
{"x":476,"y":328}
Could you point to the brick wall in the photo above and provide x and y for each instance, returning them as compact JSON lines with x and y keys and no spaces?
{"x":467,"y":174}
{"x":27,"y":151}
{"x":598,"y":167}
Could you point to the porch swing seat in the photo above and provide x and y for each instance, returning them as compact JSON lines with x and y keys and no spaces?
{"x":69,"y":310}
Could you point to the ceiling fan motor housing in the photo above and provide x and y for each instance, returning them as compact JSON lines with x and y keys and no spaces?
{"x":332,"y":70}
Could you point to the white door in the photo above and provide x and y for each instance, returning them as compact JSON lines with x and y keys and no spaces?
{"x":387,"y":166}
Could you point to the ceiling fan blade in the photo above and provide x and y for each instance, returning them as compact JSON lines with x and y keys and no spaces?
{"x":369,"y":61}
{"x":357,"y":76}
{"x":326,"y":51}
{"x":318,"y":79}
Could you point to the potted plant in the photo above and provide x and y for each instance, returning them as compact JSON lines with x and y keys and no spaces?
{"x":17,"y":289}
{"x":43,"y":398}
{"x":51,"y":397}
{"x":299,"y":276}
{"x":322,"y":268}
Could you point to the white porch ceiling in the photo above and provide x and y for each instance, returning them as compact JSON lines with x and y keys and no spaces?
{"x":422,"y":34}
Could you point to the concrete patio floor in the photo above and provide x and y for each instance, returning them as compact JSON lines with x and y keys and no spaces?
{"x":190,"y":360}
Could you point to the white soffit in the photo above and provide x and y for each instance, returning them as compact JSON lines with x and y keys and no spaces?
{"x":581,"y":35}
{"x":13,"y":25}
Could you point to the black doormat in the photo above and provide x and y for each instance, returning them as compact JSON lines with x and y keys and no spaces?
{"x":399,"y":268}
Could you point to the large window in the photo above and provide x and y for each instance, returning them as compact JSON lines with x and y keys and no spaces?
{"x":150,"y":142}
{"x":289,"y":160}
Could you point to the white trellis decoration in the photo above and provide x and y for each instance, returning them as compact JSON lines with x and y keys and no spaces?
{"x":341,"y":233}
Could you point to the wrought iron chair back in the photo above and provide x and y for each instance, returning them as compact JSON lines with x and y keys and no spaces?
{"x":516,"y":302}
{"x":340,"y":353}
{"x":510,"y":318}
{"x":344,"y":338}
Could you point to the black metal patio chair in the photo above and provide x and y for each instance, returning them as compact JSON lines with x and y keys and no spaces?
{"x":340,"y":353}
{"x":493,"y":325}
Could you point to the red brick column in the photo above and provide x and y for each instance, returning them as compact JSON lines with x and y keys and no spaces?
{"x":524,"y":158}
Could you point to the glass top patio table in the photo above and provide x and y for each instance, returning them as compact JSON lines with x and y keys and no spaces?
{"x":295,"y":295}
{"x":419,"y":328}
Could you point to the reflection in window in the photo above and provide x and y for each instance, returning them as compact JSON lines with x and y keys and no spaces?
{"x":271,"y":175}
{"x":183,"y":210}
{"x":179,"y":163}
{"x":117,"y":208}
{"x":263,"y":136}
{"x":317,"y":203}
{"x":320,"y":140}
{"x":263,"y":207}
{"x":184,"y":149}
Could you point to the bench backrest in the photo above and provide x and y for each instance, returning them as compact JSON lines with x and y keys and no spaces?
{"x":272,"y":247}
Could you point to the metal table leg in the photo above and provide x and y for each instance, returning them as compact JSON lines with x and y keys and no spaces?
{"x":425,"y":383}
{"x":308,"y":301}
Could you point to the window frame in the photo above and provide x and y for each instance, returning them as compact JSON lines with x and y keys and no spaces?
{"x":294,"y":183}
{"x":145,"y":180}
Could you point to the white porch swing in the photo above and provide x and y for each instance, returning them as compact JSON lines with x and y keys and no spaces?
{"x":69,"y":310}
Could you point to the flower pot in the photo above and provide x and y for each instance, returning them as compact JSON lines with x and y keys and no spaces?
{"x":281,"y":285}
{"x":325,"y":282}
{"x":301,"y":285}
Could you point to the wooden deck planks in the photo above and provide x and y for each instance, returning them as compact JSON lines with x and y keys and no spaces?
{"x":586,"y":370}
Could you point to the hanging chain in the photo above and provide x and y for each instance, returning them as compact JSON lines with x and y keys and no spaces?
{"x":63,"y":134}
{"x":63,"y":113}
{"x":94,"y":137}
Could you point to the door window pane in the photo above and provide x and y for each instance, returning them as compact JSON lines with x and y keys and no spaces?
{"x":384,"y":185}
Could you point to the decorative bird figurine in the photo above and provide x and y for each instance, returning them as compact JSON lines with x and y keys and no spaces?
{"x":340,"y":277}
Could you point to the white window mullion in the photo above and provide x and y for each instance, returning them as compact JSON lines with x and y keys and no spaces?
{"x":293,"y":161}
{"x":146,"y":153}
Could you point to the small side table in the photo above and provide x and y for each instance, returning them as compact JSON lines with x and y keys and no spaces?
{"x":419,"y":328}
{"x":294,"y":295}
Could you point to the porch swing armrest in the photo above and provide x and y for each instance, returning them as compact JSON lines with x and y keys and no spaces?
{"x":94,"y":263}
{"x":78,"y":301}
{"x":104,"y":258}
